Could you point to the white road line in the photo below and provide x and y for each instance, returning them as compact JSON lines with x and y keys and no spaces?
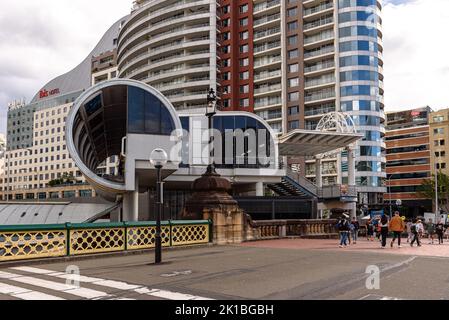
{"x":56,"y":286}
{"x":25,"y":294}
{"x":114,"y":284}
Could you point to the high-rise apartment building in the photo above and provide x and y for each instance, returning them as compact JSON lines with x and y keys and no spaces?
{"x":408,"y":160}
{"x":289,"y":61}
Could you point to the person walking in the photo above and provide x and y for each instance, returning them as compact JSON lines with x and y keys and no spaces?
{"x":369,"y":230}
{"x":439,"y":229}
{"x":415,"y":232}
{"x":420,"y":228}
{"x":397,"y":227}
{"x":378,"y":229}
{"x":343,"y":229}
{"x":383,"y":224}
{"x":355,"y":230}
{"x":430,"y":229}
{"x":409,"y":230}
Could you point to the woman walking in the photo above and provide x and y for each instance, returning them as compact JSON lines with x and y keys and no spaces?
{"x":384,"y":230}
{"x":369,"y":231}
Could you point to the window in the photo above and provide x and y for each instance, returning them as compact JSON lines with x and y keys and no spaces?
{"x":293,"y":110}
{"x":438,"y":119}
{"x":226,"y":76}
{"x":293,"y":96}
{"x":226,"y":22}
{"x":226,"y":62}
{"x":226,"y":9}
{"x":292,"y":54}
{"x":226,"y":35}
{"x":244,"y":103}
{"x":244,"y":88}
{"x":244,"y":22}
{"x":441,"y":165}
{"x":244,"y":62}
{"x":292,"y":125}
{"x":243,"y":8}
{"x":146,"y":113}
{"x":291,"y":26}
{"x":244,"y":48}
{"x":438,"y":131}
{"x":226,"y":49}
{"x":292,"y":40}
{"x":244,"y":75}
{"x":293,"y":68}
{"x":293,"y":82}
{"x":292,"y":12}
{"x":244,"y":35}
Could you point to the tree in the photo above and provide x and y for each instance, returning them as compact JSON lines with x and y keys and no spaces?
{"x":427,"y":190}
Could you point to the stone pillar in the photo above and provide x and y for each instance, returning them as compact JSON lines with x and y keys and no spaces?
{"x":353,"y":210}
{"x":318,"y":170}
{"x":77,"y":193}
{"x":259,"y":189}
{"x":228,"y":225}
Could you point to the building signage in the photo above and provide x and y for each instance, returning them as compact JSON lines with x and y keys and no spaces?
{"x":45,"y":93}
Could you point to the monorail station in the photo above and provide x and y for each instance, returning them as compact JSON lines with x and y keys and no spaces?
{"x":130,"y":120}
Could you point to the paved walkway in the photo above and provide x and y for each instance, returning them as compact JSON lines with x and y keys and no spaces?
{"x":362,"y":245}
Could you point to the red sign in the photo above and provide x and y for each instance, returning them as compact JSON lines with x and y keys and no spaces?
{"x":45,"y":93}
{"x":415,"y":113}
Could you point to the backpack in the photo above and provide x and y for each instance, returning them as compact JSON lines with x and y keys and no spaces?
{"x":413,"y":228}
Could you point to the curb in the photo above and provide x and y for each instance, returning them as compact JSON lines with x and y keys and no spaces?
{"x":42,"y":261}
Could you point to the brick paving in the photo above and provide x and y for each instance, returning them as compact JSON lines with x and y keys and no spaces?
{"x":363,"y":245}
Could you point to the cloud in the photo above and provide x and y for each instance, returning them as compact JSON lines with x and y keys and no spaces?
{"x":415,"y":54}
{"x":40,"y":40}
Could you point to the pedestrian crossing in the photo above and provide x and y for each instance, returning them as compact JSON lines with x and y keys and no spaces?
{"x":30,"y":283}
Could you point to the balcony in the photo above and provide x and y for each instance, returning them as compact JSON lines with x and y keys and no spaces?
{"x":320,"y":95}
{"x":268,"y":88}
{"x":319,"y":111}
{"x":267,"y":75}
{"x":267,"y":61}
{"x":317,"y":9}
{"x":322,"y":36}
{"x":318,"y":23}
{"x":320,"y":81}
{"x":319,"y":51}
{"x":267,"y":46}
{"x":266,"y":33}
{"x":267,"y":19}
{"x":266,"y":5}
{"x":320,"y":66}
{"x":338,"y":192}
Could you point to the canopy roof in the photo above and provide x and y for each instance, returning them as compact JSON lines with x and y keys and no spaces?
{"x":301,"y":143}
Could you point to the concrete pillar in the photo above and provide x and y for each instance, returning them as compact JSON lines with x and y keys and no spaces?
{"x":77,"y":193}
{"x":318,"y":168}
{"x":259,"y":189}
{"x":127,"y":206}
{"x":135,"y":200}
{"x":353,"y":210}
{"x":351,"y":166}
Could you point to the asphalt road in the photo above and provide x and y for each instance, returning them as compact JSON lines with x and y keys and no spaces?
{"x":234,"y":272}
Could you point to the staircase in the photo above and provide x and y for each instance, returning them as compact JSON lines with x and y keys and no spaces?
{"x":295,"y":186}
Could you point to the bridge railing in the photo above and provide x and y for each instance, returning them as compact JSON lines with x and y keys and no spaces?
{"x":43,"y":241}
{"x":276,"y":229}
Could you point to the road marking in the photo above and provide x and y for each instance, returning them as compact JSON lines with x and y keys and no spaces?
{"x":56,"y":286}
{"x":114,"y":284}
{"x":399,"y":264}
{"x":176,"y":273}
{"x":25,"y":294}
{"x":379,"y":297}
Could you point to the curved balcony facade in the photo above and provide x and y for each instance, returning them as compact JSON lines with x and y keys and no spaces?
{"x":361,"y":87}
{"x":171,"y":45}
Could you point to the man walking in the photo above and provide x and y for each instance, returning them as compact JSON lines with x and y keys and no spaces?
{"x":430,"y":229}
{"x":343,"y":228}
{"x":415,"y":232}
{"x":397,"y":227}
{"x":355,"y":229}
{"x":439,"y":228}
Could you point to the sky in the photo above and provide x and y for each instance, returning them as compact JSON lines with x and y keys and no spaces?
{"x":40,"y":40}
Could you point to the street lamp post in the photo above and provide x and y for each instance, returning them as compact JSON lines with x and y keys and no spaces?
{"x":211,"y":111}
{"x":158,"y":159}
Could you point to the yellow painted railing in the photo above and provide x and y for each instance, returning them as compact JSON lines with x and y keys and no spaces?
{"x":43,"y":241}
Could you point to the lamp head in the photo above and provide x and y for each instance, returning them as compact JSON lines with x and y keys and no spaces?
{"x":158,"y":158}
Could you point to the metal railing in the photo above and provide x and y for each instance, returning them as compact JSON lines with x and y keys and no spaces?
{"x":337,"y":191}
{"x":43,"y":241}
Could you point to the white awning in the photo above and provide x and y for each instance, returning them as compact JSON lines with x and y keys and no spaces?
{"x":301,"y":143}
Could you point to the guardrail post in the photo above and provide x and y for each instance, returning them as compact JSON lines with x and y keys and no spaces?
{"x":211,"y":228}
{"x":125,"y":235}
{"x":68,"y":226}
{"x":170,"y":229}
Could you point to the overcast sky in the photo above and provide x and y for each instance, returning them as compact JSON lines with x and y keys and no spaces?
{"x":41,"y":39}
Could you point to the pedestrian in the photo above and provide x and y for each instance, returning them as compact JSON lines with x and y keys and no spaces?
{"x":430,"y":229}
{"x":383,"y":225}
{"x":409,"y":230}
{"x":439,"y":229}
{"x":397,"y":227}
{"x":378,"y":229}
{"x":343,"y":229}
{"x":369,"y":230}
{"x":415,"y":232}
{"x":420,"y":228}
{"x":355,"y":230}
